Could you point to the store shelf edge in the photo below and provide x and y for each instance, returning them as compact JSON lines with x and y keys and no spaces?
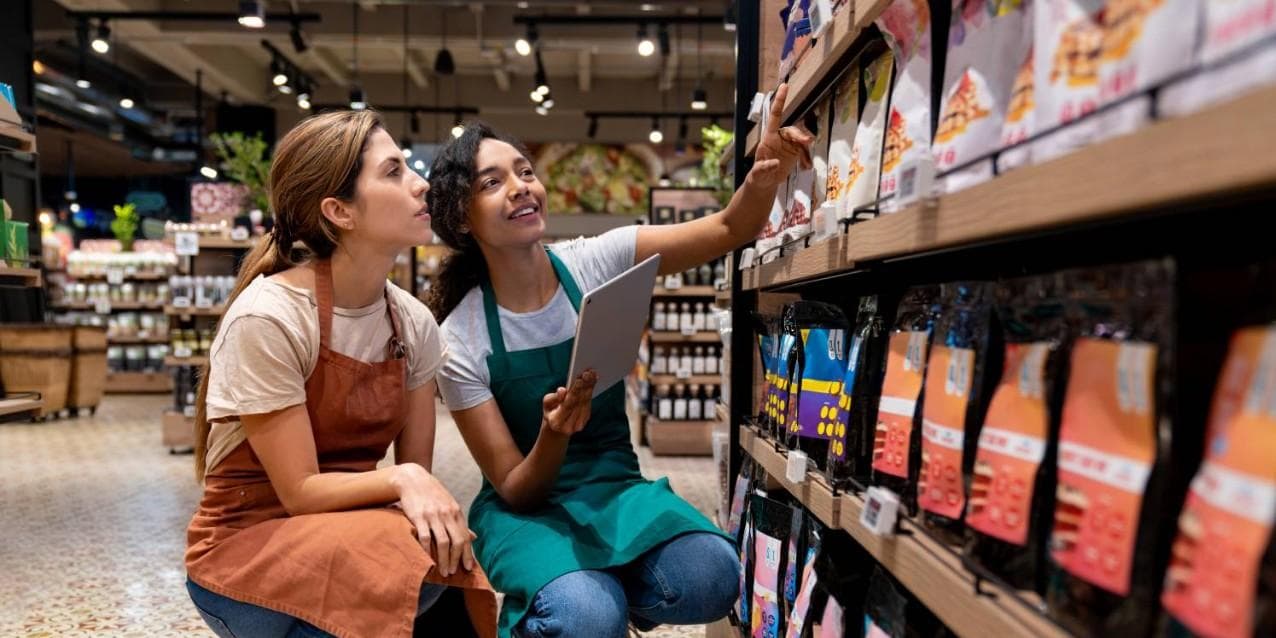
{"x":30,"y":276}
{"x":1117,"y":178}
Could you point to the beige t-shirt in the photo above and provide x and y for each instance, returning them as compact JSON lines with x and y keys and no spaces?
{"x":268,"y":345}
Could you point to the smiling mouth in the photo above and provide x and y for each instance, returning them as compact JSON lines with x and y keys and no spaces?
{"x":424,"y":212}
{"x":524,"y":211}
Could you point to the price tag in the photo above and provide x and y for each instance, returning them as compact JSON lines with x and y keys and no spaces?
{"x":186,"y":243}
{"x":821,"y":16}
{"x":916,"y":180}
{"x":684,"y":374}
{"x":181,"y":302}
{"x":114,"y":276}
{"x":881,"y":507}
{"x":204,"y":303}
{"x":689,"y":331}
{"x":795,"y":469}
{"x":239,"y":233}
{"x":756,"y":107}
{"x":189,"y":411}
{"x":102,"y":306}
{"x":182,"y":352}
{"x":673,"y":282}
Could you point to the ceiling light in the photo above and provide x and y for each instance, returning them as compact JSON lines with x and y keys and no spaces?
{"x":537,"y":96}
{"x":75,"y":207}
{"x":280,"y":78}
{"x":298,"y":39}
{"x":648,"y":7}
{"x":699,"y":99}
{"x":541,"y":110}
{"x":406,"y":146}
{"x":549,"y":102}
{"x":542,"y":78}
{"x":523,"y":47}
{"x":665,"y":182}
{"x":38,"y":67}
{"x":655,"y":136}
{"x":102,"y":41}
{"x":126,"y":103}
{"x":71,"y":196}
{"x":83,"y":83}
{"x":286,"y":89}
{"x":303,"y":101}
{"x":524,"y":5}
{"x":419,"y":165}
{"x":645,"y":46}
{"x":358,"y":101}
{"x":458,"y":131}
{"x":252,"y":14}
{"x":208,"y":171}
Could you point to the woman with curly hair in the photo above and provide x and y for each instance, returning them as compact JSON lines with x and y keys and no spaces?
{"x":580,"y":543}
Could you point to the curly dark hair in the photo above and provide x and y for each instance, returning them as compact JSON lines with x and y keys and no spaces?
{"x":450,"y":195}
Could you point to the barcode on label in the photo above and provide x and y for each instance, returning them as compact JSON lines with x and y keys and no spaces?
{"x":907,"y":182}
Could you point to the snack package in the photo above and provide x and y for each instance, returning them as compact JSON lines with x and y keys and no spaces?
{"x":823,"y":214}
{"x":896,"y":445}
{"x":1020,"y":122}
{"x":906,"y":25}
{"x":817,"y":377}
{"x":783,"y":409}
{"x":797,"y":216}
{"x":1115,"y":465}
{"x":851,"y":447}
{"x":845,"y":119}
{"x":797,"y":35}
{"x":771,"y":521}
{"x":885,"y":608}
{"x":1145,"y":42}
{"x":739,"y":496}
{"x":1222,"y":575}
{"x":953,"y":409}
{"x":1230,"y":28}
{"x":791,"y":567}
{"x":1012,"y":483}
{"x":987,"y":42}
{"x":767,"y":329}
{"x":862,"y":176}
{"x":743,"y":617}
{"x":801,"y":610}
{"x":1068,"y":50}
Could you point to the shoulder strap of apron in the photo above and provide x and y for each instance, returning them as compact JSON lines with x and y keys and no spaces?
{"x":493,"y":317}
{"x":323,"y":294}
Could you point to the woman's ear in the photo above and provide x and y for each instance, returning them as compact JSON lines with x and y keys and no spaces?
{"x":337,"y":212}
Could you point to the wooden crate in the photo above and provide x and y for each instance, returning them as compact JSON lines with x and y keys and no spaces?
{"x":37,"y":358}
{"x":680,"y":438}
{"x":88,"y":369}
{"x":177,"y":431}
{"x":138,"y":382}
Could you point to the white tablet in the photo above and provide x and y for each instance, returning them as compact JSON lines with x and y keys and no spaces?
{"x":612,"y":319}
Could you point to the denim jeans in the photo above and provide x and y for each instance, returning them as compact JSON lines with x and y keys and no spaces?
{"x":230,"y":618}
{"x":689,"y":580}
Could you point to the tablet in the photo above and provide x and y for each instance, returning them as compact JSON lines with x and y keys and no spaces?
{"x":612,"y":319}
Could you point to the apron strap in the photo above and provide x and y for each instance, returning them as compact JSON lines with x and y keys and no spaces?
{"x":323,"y":294}
{"x":396,"y":347}
{"x":493,"y":317}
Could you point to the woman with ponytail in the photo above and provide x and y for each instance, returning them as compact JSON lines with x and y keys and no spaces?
{"x":319,"y":365}
{"x":568,"y":529}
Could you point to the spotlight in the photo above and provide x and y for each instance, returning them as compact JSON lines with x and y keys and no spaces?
{"x":358,"y":101}
{"x":536,"y":96}
{"x":419,"y":165}
{"x":549,"y":102}
{"x":406,"y":146}
{"x":252,"y":14}
{"x":298,"y":39}
{"x":524,"y":44}
{"x":75,"y":207}
{"x":593,"y":128}
{"x":655,"y":136}
{"x":645,"y":46}
{"x":280,"y":78}
{"x":416,"y":123}
{"x":38,"y":67}
{"x":126,"y":103}
{"x":665,"y":182}
{"x":303,"y":101}
{"x":286,"y":89}
{"x":662,"y":35}
{"x":444,"y":64}
{"x":458,"y":130}
{"x":83,"y":83}
{"x":541,"y":110}
{"x":71,"y":196}
{"x":542,"y":78}
{"x":102,"y":41}
{"x":208,"y":172}
{"x":699,"y":99}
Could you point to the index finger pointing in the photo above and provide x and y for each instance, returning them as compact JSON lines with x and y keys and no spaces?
{"x":776,"y":117}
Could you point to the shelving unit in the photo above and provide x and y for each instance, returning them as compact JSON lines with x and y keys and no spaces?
{"x":686,"y":291}
{"x":680,"y":438}
{"x":138,"y":382}
{"x":26,"y":276}
{"x":116,"y":306}
{"x":678,"y":337}
{"x":193,"y":311}
{"x":14,"y":407}
{"x":197,"y":361}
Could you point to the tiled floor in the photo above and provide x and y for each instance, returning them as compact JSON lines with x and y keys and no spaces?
{"x":93,"y":512}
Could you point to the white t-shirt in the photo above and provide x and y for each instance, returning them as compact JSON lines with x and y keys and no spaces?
{"x":268,"y":344}
{"x":463,"y":380}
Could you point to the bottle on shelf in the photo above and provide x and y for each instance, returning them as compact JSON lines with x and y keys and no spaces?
{"x":680,"y":402}
{"x":658,"y":317}
{"x":687,"y":362}
{"x":699,"y":320}
{"x":698,"y":361}
{"x":695,"y":404}
{"x":719,"y":272}
{"x":659,"y":361}
{"x":705,"y":274}
{"x":710,"y":409}
{"x":690,"y":277}
{"x":664,"y":403}
{"x":686,"y":322}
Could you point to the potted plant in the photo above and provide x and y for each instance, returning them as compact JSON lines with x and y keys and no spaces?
{"x":124,"y":226}
{"x":715,"y":140}
{"x":244,"y":160}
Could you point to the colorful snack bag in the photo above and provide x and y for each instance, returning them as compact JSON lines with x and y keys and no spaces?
{"x":823,"y":213}
{"x":1012,"y":483}
{"x":791,"y":567}
{"x":1144,"y":43}
{"x":799,"y":615}
{"x":1068,"y":37}
{"x":862,"y":176}
{"x":742,"y":610}
{"x":953,"y":409}
{"x":1115,"y":471}
{"x":851,"y":447}
{"x":1222,"y":575}
{"x":797,"y":36}
{"x":987,"y":43}
{"x":797,"y":216}
{"x":1020,"y":122}
{"x":784,"y":408}
{"x":896,"y":446}
{"x":770,"y":524}
{"x":766,"y":327}
{"x":740,"y":496}
{"x":820,"y":330}
{"x":906,"y":25}
{"x":845,"y":115}
{"x":1230,"y":26}
{"x":885,"y":608}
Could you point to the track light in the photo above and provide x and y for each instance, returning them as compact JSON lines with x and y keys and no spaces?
{"x":444,"y":64}
{"x":252,"y":14}
{"x":83,"y":83}
{"x":549,"y":102}
{"x":525,"y":44}
{"x":280,"y":78}
{"x":541,"y":110}
{"x":102,"y":41}
{"x":286,"y":89}
{"x":126,"y":102}
{"x":542,"y":78}
{"x":699,"y":99}
{"x":593,"y":128}
{"x":75,"y":207}
{"x":208,"y":172}
{"x":415,"y":126}
{"x":303,"y":101}
{"x":645,"y":46}
{"x":358,"y":101}
{"x":662,"y":35}
{"x":537,"y":96}
{"x":419,"y":165}
{"x":406,"y":147}
{"x":298,"y":39}
{"x":655,"y":136}
{"x":458,"y":129}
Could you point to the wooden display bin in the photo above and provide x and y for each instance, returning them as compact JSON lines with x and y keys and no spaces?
{"x":178,"y":431}
{"x":680,"y":438}
{"x":37,"y":358}
{"x":88,"y":369}
{"x":138,"y":382}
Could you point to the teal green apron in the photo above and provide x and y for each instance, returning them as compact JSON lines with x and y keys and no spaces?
{"x":601,"y":513}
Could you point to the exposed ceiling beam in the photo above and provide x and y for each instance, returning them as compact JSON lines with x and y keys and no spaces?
{"x":330,"y":64}
{"x":670,"y":71}
{"x":419,"y":77}
{"x":584,"y":72}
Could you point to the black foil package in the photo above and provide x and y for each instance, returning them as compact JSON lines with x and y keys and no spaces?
{"x":851,"y":446}
{"x":771,"y":524}
{"x":1116,"y":475}
{"x":843,"y":568}
{"x":810,"y":592}
{"x":792,"y":569}
{"x":885,"y":608}
{"x":1012,"y":487}
{"x":960,"y":362}
{"x":767,"y":328}
{"x":819,"y":331}
{"x":897,"y":432}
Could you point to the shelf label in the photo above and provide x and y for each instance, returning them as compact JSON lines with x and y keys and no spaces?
{"x":684,"y":374}
{"x":795,"y":469}
{"x":881,"y":507}
{"x":916,"y":180}
{"x":102,"y":306}
{"x":204,"y":303}
{"x":186,"y":243}
{"x":821,"y":17}
{"x":239,"y":233}
{"x":181,"y":302}
{"x":114,"y":276}
{"x":689,"y":331}
{"x":182,"y":352}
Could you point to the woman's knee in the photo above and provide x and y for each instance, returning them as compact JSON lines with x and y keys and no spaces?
{"x":584,"y":603}
{"x":711,"y":568}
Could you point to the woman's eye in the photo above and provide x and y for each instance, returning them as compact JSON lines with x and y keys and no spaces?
{"x":490,"y":183}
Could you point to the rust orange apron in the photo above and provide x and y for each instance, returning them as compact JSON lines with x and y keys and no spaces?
{"x":356,"y":573}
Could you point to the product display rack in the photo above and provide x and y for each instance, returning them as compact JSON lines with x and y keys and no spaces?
{"x":20,"y":404}
{"x":1191,"y":189}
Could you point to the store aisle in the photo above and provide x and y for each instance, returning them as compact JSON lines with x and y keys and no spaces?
{"x":93,"y":513}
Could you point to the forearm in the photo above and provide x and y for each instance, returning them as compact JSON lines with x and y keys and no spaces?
{"x":746,"y":214}
{"x":528,"y":483}
{"x":689,"y":244}
{"x":340,"y":491}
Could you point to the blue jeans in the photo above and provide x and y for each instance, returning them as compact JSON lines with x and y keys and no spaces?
{"x":230,"y":618}
{"x":689,"y":580}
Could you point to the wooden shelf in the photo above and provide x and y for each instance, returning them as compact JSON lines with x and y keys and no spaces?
{"x":685,"y":291}
{"x":930,"y":570}
{"x":695,"y":379}
{"x":30,"y":276}
{"x":137,"y":341}
{"x":1120,"y":178}
{"x":13,"y":138}
{"x":704,"y":336}
{"x":197,"y":360}
{"x":192,"y":311}
{"x":680,"y":438}
{"x":10,"y":407}
{"x":724,"y":414}
{"x":225,"y":243}
{"x":141,"y":276}
{"x":177,"y":431}
{"x":138,"y":382}
{"x":115,"y":306}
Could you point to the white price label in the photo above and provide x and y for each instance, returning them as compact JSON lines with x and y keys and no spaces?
{"x":684,"y":373}
{"x":182,"y":352}
{"x":881,"y":506}
{"x":181,"y":302}
{"x":115,"y":276}
{"x":204,"y":303}
{"x":916,"y":180}
{"x":102,"y":306}
{"x":186,"y":243}
{"x":795,"y":469}
{"x":239,"y":233}
{"x":821,"y":16}
{"x":189,"y":411}
{"x":673,"y":282}
{"x":689,"y":331}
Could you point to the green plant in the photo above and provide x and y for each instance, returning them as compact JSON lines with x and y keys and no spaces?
{"x":715,"y":140}
{"x":244,"y":160}
{"x":124,"y":226}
